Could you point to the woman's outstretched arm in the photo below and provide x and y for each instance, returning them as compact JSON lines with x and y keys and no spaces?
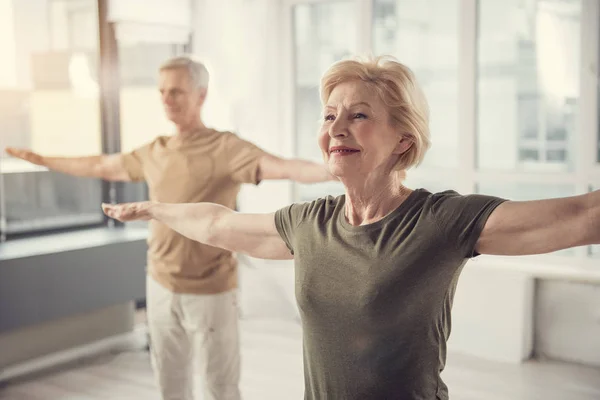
{"x":211,"y":224}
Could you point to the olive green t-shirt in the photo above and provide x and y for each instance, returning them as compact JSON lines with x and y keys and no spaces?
{"x":375,"y":299}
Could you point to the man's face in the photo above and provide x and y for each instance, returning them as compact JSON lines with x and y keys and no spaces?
{"x":181,"y":99}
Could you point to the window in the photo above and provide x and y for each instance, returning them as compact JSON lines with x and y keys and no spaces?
{"x":528,"y":84}
{"x":424,"y":36}
{"x":49,"y":102}
{"x":321,"y":37}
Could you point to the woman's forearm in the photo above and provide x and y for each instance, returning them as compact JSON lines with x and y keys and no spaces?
{"x":211,"y":224}
{"x":196,"y":221}
{"x":592,"y":217}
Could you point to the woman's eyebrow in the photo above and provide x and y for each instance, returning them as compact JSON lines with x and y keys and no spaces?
{"x":361,"y":103}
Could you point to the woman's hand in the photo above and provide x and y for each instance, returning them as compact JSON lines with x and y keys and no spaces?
{"x":129,"y":211}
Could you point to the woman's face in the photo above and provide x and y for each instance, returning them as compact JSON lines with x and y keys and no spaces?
{"x":357,"y":137}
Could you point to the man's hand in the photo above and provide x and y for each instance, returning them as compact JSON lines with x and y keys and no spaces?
{"x":109,"y":167}
{"x":128,"y":211}
{"x":26,"y":155}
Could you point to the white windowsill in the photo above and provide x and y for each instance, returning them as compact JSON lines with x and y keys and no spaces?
{"x":547,"y":267}
{"x":69,"y":241}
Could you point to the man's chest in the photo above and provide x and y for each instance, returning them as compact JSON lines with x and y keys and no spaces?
{"x":182,"y":176}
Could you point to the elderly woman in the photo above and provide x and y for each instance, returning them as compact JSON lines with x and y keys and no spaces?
{"x":376,"y":268}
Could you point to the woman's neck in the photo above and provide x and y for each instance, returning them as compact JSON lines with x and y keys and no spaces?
{"x":369,"y":202}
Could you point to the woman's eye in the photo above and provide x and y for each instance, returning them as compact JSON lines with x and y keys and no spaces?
{"x":360,"y":115}
{"x":329,"y":117}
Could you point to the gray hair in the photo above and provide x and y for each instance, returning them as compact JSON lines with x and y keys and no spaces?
{"x":196,"y":70}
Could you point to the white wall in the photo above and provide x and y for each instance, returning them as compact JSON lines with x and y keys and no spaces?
{"x":567,"y":321}
{"x":493,"y":314}
{"x":36,"y":341}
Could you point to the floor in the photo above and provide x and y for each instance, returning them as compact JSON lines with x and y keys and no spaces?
{"x":272,"y":369}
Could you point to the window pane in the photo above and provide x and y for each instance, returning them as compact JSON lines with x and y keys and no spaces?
{"x":528,"y":84}
{"x":321,"y":37}
{"x":528,"y":191}
{"x":424,"y":36}
{"x":49,"y":103}
{"x":431,"y":183}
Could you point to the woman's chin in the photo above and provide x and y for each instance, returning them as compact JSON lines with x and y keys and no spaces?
{"x":341,"y":172}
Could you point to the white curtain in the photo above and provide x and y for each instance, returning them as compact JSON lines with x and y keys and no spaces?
{"x":238,"y":41}
{"x":153,"y":21}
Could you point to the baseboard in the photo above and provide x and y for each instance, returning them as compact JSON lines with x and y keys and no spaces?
{"x":135,"y":340}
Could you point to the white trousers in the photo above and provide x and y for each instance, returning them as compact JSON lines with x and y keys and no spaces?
{"x":193,"y":334}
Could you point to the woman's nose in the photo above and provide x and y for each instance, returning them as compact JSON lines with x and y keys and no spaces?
{"x":338,"y":128}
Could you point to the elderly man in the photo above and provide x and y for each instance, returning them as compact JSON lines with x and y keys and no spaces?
{"x":191,"y":298}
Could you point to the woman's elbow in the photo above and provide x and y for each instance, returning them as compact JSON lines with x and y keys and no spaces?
{"x":589,"y":220}
{"x":586,"y":219}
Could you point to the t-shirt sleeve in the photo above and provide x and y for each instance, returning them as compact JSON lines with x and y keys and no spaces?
{"x":243,"y":159}
{"x":461,"y":219}
{"x":133,"y":162}
{"x":287,"y":220}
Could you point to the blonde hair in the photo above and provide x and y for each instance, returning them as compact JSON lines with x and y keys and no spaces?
{"x":195,"y":69}
{"x":399,"y":90}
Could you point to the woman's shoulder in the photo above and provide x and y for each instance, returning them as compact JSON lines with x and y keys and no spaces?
{"x":321,"y":208}
{"x":326,"y":203}
{"x":433,"y":201}
{"x":423,"y":197}
{"x":450,"y":204}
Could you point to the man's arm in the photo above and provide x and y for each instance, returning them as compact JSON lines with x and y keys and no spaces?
{"x":211,"y":224}
{"x":107,"y":167}
{"x":273,"y":167}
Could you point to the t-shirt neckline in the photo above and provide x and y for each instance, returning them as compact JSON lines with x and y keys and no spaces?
{"x":377,"y":224}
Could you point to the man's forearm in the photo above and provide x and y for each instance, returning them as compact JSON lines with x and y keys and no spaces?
{"x":76,"y":166}
{"x":308,"y":172}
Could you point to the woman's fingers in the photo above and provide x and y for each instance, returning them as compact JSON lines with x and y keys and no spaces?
{"x":124,"y":212}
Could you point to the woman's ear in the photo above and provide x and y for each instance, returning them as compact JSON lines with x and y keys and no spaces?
{"x":403,"y":145}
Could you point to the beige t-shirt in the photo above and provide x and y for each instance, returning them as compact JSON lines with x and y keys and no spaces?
{"x":207,"y":167}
